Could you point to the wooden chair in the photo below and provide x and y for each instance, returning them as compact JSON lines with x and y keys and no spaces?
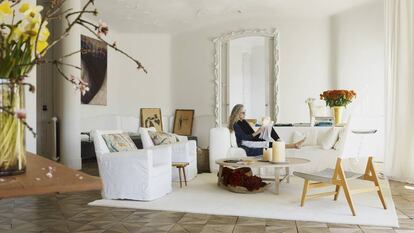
{"x":338,"y":177}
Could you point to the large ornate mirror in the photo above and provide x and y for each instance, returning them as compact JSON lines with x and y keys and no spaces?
{"x":246,"y":69}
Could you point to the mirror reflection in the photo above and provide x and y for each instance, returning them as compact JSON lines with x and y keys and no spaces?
{"x":248,"y":75}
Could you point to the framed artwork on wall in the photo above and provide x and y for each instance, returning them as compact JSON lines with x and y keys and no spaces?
{"x":151,"y":117}
{"x":183,"y":122}
{"x":93,"y":71}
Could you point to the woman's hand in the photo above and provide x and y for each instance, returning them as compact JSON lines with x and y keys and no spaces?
{"x":258,"y":131}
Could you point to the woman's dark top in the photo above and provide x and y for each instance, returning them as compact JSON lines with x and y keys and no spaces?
{"x":243,"y":132}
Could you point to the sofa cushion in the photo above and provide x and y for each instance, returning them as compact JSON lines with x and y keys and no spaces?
{"x":311,"y":137}
{"x":119,"y":142}
{"x":329,"y":138}
{"x":162,"y":138}
{"x":145,"y":138}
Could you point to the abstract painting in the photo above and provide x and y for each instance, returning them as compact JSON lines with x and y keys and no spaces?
{"x":94,"y":70}
{"x":151,"y":117}
{"x":183,"y":122}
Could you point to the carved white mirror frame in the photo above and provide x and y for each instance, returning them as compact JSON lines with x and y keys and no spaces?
{"x":273,"y":34}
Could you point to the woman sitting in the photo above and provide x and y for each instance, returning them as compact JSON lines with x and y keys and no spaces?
{"x":247,"y":138}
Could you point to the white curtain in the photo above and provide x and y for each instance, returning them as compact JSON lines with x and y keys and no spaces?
{"x":399,"y":160}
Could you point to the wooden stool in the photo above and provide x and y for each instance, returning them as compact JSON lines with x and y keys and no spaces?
{"x":181,"y":167}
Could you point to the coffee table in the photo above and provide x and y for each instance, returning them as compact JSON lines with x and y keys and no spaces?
{"x":290,"y":162}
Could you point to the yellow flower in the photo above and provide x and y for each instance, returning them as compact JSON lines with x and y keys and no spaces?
{"x":41,"y":45}
{"x":25,"y":6}
{"x":5,"y":8}
{"x":17,"y":34}
{"x":31,"y":13}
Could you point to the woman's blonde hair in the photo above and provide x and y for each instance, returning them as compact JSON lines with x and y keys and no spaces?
{"x":234,"y":116}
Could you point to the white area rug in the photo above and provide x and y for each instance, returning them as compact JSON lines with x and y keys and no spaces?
{"x":202,"y":195}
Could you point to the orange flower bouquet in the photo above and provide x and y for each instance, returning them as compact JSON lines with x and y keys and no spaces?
{"x":335,"y":98}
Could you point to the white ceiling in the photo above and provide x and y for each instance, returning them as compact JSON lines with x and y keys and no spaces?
{"x":172,"y":16}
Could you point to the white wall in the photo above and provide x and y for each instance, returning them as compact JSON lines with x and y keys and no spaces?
{"x":358,"y":61}
{"x":130,"y":89}
{"x":304,"y":53}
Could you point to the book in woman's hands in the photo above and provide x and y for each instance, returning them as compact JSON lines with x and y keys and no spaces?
{"x":266,"y":121}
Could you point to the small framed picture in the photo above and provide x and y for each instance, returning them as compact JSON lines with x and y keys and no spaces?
{"x":183,"y":122}
{"x":151,"y":117}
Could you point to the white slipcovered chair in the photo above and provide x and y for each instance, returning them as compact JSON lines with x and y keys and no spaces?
{"x":223,"y":145}
{"x":183,"y":151}
{"x":138,"y":175}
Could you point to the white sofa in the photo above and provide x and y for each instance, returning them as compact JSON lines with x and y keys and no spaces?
{"x":223,"y":145}
{"x":183,"y":151}
{"x":138,"y":175}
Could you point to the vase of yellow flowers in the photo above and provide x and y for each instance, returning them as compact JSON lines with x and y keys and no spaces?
{"x":337,"y":100}
{"x":24,"y":43}
{"x":21,"y":35}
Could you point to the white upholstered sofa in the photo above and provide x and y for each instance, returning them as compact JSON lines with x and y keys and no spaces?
{"x":223,"y":145}
{"x":137,"y":175}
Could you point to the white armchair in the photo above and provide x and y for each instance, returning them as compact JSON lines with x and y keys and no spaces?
{"x":223,"y":145}
{"x":183,"y":151}
{"x":138,"y":175}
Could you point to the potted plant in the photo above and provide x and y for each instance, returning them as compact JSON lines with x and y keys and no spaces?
{"x":337,"y":100}
{"x":24,"y":42}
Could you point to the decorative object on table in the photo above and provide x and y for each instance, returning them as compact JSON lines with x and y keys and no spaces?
{"x":94,"y":71}
{"x":23,"y":45}
{"x":278,"y":151}
{"x":337,"y":100}
{"x":151,"y":117}
{"x":267,"y":154}
{"x":183,"y":122}
{"x":315,"y":110}
{"x":241,"y":180}
{"x":324,"y":121}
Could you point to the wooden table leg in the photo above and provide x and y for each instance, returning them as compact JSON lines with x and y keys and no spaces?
{"x":287,"y":175}
{"x":185,"y":177}
{"x":277,"y":180}
{"x":179,"y":171}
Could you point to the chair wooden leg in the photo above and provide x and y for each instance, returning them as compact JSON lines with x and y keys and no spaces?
{"x":337,"y":189}
{"x":371,"y":175}
{"x":185,"y":177}
{"x":305,"y":191}
{"x":348,"y":198}
{"x":179,"y":171}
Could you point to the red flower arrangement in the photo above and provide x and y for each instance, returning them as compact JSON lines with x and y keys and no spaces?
{"x":241,"y":177}
{"x":338,"y":97}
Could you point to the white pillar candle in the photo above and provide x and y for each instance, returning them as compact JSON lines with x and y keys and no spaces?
{"x":278,"y":151}
{"x":267,"y":154}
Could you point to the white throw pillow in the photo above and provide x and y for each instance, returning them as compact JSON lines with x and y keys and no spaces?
{"x":310,"y":140}
{"x":145,"y":137}
{"x":341,"y":139}
{"x":329,"y":138}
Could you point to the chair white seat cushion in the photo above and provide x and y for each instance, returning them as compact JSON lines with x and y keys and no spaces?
{"x":325,"y":175}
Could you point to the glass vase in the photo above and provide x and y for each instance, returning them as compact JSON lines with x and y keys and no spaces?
{"x":12,"y":130}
